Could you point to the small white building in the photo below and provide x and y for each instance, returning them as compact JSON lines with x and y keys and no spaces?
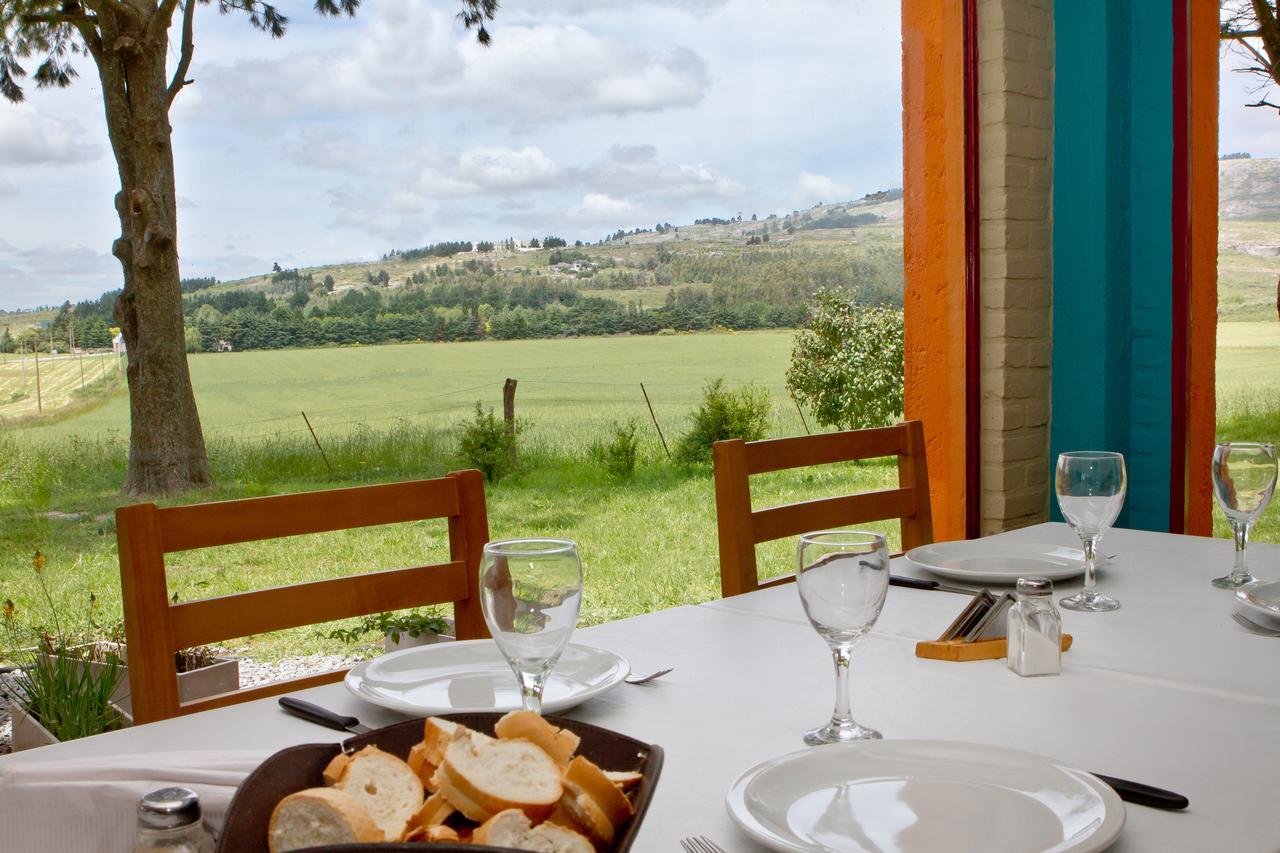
{"x":117,"y":344}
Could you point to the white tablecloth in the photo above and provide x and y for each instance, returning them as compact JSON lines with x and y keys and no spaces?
{"x":1165,"y":691}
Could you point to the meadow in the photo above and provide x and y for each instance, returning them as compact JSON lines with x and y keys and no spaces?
{"x":393,"y":412}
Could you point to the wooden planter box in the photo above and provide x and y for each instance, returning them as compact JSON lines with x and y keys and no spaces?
{"x":222,"y":676}
{"x":29,"y":732}
{"x":407,"y":642}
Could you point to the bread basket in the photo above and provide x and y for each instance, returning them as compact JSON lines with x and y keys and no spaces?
{"x":299,"y":767}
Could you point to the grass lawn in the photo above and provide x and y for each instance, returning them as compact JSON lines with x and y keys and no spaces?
{"x":388,"y":413}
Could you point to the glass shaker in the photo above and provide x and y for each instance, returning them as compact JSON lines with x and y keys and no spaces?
{"x":1035,"y":630}
{"x":169,"y":821}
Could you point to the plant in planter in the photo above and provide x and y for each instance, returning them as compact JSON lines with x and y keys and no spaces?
{"x":399,"y":630}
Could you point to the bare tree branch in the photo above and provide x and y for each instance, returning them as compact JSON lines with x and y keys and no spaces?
{"x":187,"y":50}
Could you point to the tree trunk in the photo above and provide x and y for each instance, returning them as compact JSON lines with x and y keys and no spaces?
{"x":166,"y":444}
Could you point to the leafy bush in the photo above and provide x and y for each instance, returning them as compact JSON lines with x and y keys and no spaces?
{"x":723,"y":414}
{"x":847,"y":363}
{"x":486,"y":444}
{"x":618,"y":455}
{"x":415,"y":623}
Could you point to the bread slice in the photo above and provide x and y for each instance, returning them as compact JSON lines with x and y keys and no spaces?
{"x":468,"y":807}
{"x":587,"y":816}
{"x":438,"y":733}
{"x":497,"y":775}
{"x":584,"y":777}
{"x":434,"y":811}
{"x":560,"y":744}
{"x":389,"y":789}
{"x":320,"y":816}
{"x":419,"y":764}
{"x":334,"y":769}
{"x":432,"y":834}
{"x":624,"y":779}
{"x":512,"y":828}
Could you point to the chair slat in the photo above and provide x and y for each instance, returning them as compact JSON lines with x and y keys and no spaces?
{"x":779,"y":454}
{"x":231,"y":522}
{"x":827,"y":513}
{"x":208,"y":620}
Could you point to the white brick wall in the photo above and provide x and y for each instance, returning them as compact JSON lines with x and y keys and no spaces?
{"x":1015,"y":116}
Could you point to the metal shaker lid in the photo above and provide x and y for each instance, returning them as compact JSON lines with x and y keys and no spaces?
{"x":169,"y":808}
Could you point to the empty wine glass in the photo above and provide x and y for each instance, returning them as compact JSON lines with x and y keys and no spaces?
{"x":1091,"y":486}
{"x":1244,"y":478}
{"x":843,"y":578}
{"x":531,"y":592}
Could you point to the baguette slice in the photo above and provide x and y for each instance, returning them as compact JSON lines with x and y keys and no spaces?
{"x":560,"y":744}
{"x":438,"y":733}
{"x":468,"y":807}
{"x":431,"y":834}
{"x":319,"y":816}
{"x":624,"y":779}
{"x":586,"y":815}
{"x":512,"y":828}
{"x":419,"y":764}
{"x":497,"y":775}
{"x":387,"y":787}
{"x":334,"y":769}
{"x":434,"y":811}
{"x":584,"y":777}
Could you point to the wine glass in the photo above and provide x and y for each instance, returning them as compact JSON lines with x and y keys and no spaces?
{"x":1244,"y":478}
{"x":843,"y":578}
{"x":531,"y":592}
{"x":1091,"y":486}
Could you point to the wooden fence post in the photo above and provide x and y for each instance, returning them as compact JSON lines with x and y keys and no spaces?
{"x":80,"y":358}
{"x":662,"y":437}
{"x":509,"y":416}
{"x":317,"y":441}
{"x":803,"y":422}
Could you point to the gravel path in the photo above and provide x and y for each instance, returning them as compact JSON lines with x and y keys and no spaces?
{"x":252,"y":674}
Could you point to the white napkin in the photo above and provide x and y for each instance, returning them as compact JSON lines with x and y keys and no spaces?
{"x":90,"y":804}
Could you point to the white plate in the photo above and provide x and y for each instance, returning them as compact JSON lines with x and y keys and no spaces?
{"x":996,"y":561}
{"x":921,"y":797}
{"x":1261,"y":599}
{"x":472,"y":675}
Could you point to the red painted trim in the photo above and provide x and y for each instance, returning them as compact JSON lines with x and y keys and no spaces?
{"x":973,"y":294}
{"x":1181,"y":284}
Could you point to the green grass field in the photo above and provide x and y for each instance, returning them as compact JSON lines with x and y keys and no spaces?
{"x":387,"y":413}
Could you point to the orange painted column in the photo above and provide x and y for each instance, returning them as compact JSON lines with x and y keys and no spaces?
{"x":1202,"y":337}
{"x":934,"y":246}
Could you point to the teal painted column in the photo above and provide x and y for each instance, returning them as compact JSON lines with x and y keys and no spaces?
{"x":1112,"y":242}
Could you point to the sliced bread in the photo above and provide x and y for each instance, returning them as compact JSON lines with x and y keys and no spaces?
{"x":497,"y":775}
{"x":512,"y":828}
{"x":624,"y":779}
{"x":387,"y":786}
{"x":320,"y":816}
{"x":419,"y":764}
{"x":586,"y":815}
{"x":584,"y":777}
{"x":560,"y":744}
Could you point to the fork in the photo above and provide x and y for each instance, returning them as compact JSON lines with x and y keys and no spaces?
{"x":1253,"y":627}
{"x":645,"y":679}
{"x":700,"y":844}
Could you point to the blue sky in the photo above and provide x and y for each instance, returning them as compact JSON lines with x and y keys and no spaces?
{"x":392,"y":130}
{"x":349,"y":138}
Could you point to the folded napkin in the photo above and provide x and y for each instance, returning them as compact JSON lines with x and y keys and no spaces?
{"x":89,"y":805}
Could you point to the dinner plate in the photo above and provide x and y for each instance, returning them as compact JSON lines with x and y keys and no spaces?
{"x":468,"y":676}
{"x":988,"y":561}
{"x":920,"y":796}
{"x":1261,"y":599}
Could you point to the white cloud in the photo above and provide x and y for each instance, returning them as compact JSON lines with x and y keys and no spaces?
{"x":412,"y":56}
{"x":596,"y":205}
{"x":813,"y":188}
{"x":30,"y":138}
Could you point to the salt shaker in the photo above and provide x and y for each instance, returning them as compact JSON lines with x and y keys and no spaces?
{"x":1035,"y":630}
{"x":169,"y":822}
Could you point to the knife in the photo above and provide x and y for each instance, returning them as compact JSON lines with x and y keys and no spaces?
{"x":322,"y":716}
{"x":1145,"y":795}
{"x":917,"y":583}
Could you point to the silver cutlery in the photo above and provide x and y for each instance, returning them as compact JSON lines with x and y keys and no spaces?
{"x":1253,"y":627}
{"x":700,"y":844}
{"x":645,"y":679}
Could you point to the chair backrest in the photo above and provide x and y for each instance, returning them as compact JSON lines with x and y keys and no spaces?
{"x":156,"y":628}
{"x":741,"y":528}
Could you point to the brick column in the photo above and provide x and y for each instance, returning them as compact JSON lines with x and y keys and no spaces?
{"x":1015,"y":91}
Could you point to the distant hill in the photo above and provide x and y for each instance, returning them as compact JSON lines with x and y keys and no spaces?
{"x":1249,"y":189}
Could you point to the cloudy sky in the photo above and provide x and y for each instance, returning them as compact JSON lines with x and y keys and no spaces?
{"x":351,"y":138}
{"x":392,"y":130}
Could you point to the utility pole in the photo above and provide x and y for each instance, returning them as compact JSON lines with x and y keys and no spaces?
{"x":39,"y":401}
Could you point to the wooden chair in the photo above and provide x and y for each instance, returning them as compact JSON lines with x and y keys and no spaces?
{"x":741,"y":529}
{"x":156,"y":628}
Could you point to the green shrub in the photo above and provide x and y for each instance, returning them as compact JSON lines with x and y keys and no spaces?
{"x":618,"y":454}
{"x":743,"y":414}
{"x":486,"y":444}
{"x":847,"y":363}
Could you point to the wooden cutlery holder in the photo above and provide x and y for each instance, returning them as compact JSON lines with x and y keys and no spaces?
{"x":959,"y":650}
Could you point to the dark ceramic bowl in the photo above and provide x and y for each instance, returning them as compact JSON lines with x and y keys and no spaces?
{"x":300,"y":767}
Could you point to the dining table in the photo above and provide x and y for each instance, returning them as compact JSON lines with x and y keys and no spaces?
{"x":1168,"y":690}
